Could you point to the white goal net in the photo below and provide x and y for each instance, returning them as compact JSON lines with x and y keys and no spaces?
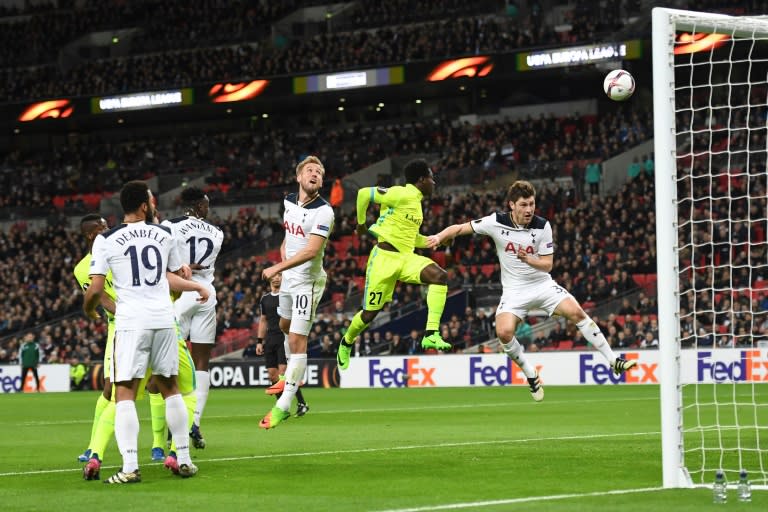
{"x":710,"y":115}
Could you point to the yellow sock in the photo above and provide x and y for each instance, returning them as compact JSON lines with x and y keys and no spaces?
{"x":436,"y":294}
{"x":190,"y":400}
{"x":105,"y":429}
{"x":101,"y":403}
{"x":157,"y":411}
{"x":356,"y":326}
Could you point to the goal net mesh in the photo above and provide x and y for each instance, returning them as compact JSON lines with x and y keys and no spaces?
{"x":721,"y":109}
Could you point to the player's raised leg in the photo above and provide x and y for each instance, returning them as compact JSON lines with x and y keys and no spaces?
{"x":570,"y":309}
{"x":299,"y":327}
{"x":433,"y":275}
{"x":506,"y":325}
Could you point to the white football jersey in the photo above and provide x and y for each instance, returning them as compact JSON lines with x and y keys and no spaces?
{"x":535,"y":239}
{"x":197,"y":241}
{"x":138,"y":254}
{"x":301,"y":221}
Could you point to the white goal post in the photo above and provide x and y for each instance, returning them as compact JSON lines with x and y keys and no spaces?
{"x":710,"y":108}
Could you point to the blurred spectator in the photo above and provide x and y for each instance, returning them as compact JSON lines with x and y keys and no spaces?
{"x":398,"y":346}
{"x":327,"y":349}
{"x":77,"y":373}
{"x":524,"y":333}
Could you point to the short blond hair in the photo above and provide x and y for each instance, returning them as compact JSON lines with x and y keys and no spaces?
{"x":311,"y":159}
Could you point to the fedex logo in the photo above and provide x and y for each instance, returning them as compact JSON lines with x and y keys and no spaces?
{"x":29,"y":383}
{"x":13,"y":384}
{"x":602,"y":373}
{"x":750,"y":367}
{"x":9,"y":384}
{"x":488,"y":375}
{"x":410,"y":374}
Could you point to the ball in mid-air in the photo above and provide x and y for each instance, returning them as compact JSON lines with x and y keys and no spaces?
{"x":619,"y":85}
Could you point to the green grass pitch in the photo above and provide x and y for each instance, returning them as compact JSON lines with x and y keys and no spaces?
{"x":491,"y":449}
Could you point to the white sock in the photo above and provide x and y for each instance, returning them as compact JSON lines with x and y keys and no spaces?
{"x":595,"y":337}
{"x":287,"y":347}
{"x":514,"y":351}
{"x":203,"y":381}
{"x":127,"y":434}
{"x":294,"y":372}
{"x":177,"y":419}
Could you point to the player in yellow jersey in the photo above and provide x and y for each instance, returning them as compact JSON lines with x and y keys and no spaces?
{"x":103,"y":422}
{"x":392,"y":259}
{"x":90,"y":226}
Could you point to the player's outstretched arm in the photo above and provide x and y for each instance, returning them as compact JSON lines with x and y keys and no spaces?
{"x":363,"y":200}
{"x":539,"y":262}
{"x":180,"y":284}
{"x":107,"y":303}
{"x":261,"y":332}
{"x":449,"y":234}
{"x":378,"y":195}
{"x":313,"y":247}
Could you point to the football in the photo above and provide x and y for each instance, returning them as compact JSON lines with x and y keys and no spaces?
{"x":619,"y":85}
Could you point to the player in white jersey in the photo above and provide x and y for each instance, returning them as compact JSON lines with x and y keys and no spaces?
{"x":139,"y":253}
{"x":525,"y":250}
{"x":198,"y":243}
{"x":308,"y":222}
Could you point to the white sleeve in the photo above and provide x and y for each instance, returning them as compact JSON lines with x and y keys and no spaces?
{"x":171,"y":227}
{"x":546,"y":244}
{"x":174,"y":260}
{"x":99,"y":262}
{"x":323,"y":222}
{"x":483,"y":226}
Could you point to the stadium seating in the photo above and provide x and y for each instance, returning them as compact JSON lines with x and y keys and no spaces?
{"x":73,"y":177}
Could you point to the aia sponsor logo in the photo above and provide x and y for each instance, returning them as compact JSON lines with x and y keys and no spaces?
{"x":294,"y":229}
{"x":514,"y":250}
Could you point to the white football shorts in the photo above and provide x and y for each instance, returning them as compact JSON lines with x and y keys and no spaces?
{"x":135,"y":351}
{"x":197,"y":322}
{"x":298,"y":302}
{"x":544,"y":295}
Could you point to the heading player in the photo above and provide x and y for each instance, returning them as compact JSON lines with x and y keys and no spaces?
{"x":525,"y":249}
{"x":308,"y":221}
{"x":272,"y":343}
{"x":392,"y":259}
{"x":91,"y":226}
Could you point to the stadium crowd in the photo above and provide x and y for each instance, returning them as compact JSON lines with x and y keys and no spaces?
{"x":247,"y":54}
{"x":613,"y":236}
{"x":224,"y":41}
{"x":603,"y":242}
{"x":78,"y":174}
{"x":594,"y":277}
